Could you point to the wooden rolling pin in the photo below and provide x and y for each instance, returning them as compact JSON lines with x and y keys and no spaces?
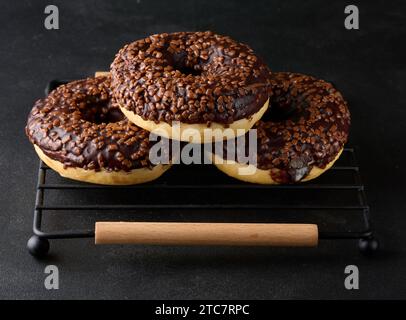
{"x":232,"y":234}
{"x":101,"y":73}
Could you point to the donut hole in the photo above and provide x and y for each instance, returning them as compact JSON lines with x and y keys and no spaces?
{"x":188,"y":71}
{"x":284,"y":108}
{"x":179,"y":64}
{"x":101,"y":112}
{"x":279,"y":110}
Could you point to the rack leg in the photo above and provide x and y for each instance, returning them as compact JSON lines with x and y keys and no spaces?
{"x":37,"y":246}
{"x":368,"y":245}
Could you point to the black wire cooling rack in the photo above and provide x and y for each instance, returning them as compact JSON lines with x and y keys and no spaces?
{"x":336,"y":202}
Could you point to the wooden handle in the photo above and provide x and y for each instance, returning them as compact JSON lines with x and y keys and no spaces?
{"x":238,"y":234}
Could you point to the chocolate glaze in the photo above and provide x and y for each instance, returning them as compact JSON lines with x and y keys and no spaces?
{"x":192,"y":77}
{"x":78,"y":125}
{"x":306,"y":125}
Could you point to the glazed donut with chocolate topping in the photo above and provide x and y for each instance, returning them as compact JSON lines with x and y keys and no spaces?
{"x":199,"y":79}
{"x":81,"y":134}
{"x":302,"y":134}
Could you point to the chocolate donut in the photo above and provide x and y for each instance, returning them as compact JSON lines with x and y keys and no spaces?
{"x":198,"y":79}
{"x":301,"y":135}
{"x":77,"y":131}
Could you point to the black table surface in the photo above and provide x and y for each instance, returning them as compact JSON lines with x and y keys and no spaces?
{"x":367,"y":66}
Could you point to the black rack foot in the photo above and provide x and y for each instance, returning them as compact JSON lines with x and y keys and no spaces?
{"x":37,"y":246}
{"x":368,"y":246}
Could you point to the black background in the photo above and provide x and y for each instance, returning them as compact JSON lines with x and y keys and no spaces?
{"x":367,"y":65}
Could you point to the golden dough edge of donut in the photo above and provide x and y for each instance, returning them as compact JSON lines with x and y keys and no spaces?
{"x":103,"y":176}
{"x":263,"y":176}
{"x":164,"y":129}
